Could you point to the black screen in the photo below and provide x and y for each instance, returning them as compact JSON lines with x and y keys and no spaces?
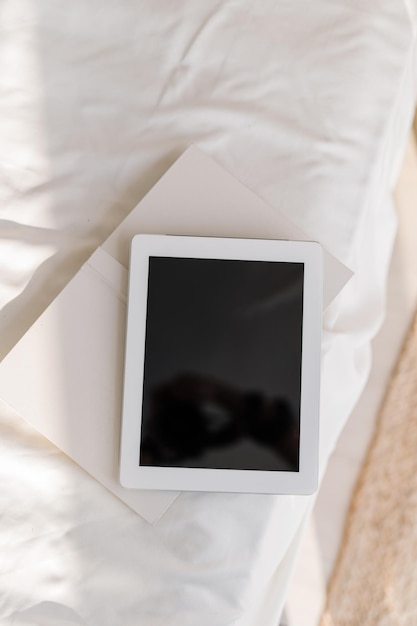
{"x":222,"y":375}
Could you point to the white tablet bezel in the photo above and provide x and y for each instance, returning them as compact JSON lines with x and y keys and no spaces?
{"x":132,"y":475}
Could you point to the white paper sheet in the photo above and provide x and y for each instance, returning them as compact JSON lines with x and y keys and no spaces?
{"x":70,"y":362}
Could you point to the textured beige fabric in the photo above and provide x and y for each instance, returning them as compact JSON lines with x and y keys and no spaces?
{"x":375,"y":579}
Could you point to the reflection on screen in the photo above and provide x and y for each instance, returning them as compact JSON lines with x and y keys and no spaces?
{"x":222,"y":373}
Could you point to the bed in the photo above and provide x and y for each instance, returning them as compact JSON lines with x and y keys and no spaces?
{"x":309,"y":106}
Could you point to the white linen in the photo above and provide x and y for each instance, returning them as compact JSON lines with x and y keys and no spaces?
{"x":309,"y":104}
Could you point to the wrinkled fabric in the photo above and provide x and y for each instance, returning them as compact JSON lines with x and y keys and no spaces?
{"x":309,"y":105}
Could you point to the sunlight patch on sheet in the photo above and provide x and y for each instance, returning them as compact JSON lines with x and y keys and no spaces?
{"x":18,"y":261}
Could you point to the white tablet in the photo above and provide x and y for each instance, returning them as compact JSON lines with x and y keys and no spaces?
{"x":222,"y":370}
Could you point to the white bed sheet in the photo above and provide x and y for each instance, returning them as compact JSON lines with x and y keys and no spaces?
{"x":309,"y":105}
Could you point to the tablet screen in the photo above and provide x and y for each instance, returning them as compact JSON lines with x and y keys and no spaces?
{"x":222,"y":369}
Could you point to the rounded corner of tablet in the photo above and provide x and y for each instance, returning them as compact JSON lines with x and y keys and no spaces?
{"x":125,"y":479}
{"x":136,"y":238}
{"x":317,"y":247}
{"x":312,"y":486}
